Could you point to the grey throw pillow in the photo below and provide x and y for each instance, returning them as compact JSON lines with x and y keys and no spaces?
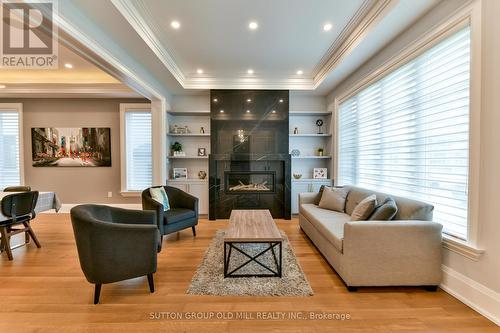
{"x":364,"y":209}
{"x":385,"y":211}
{"x":333,"y":198}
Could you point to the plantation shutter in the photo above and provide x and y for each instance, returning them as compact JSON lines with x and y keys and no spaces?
{"x":138,"y":143}
{"x":10,"y":165}
{"x":408,"y":133}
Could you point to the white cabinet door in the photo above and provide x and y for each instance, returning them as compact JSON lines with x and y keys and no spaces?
{"x":317,"y":185}
{"x":180,"y":186}
{"x":298,"y":187}
{"x":200,"y":190}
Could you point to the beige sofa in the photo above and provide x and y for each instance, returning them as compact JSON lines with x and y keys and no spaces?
{"x":405,"y":251}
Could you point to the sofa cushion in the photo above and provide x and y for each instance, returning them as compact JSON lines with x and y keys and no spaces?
{"x":408,"y":209}
{"x":175,"y":215}
{"x":385,"y":211}
{"x":364,"y":209}
{"x":329,"y":223}
{"x":333,"y":198}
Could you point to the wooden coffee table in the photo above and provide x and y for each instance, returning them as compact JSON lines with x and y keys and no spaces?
{"x":256,"y":227}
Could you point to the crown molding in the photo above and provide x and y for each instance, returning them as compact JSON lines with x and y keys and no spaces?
{"x":370,"y":12}
{"x":68,"y":90}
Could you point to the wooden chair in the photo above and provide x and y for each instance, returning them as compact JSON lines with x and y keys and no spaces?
{"x":19,"y":208}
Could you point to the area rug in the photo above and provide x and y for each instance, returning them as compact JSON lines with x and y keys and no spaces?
{"x":209,"y":277}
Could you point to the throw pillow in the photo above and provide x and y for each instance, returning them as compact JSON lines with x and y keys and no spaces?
{"x":320,"y":194}
{"x":333,"y":198}
{"x":385,"y":211}
{"x":159,"y":195}
{"x":364,"y":209}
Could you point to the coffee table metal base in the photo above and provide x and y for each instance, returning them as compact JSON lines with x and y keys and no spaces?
{"x":229,"y":246}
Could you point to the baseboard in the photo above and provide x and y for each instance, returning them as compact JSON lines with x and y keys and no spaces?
{"x":65,"y":208}
{"x":477,"y":296}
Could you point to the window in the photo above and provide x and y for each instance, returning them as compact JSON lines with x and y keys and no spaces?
{"x":11,"y":173}
{"x":136,"y":140}
{"x":408,"y":133}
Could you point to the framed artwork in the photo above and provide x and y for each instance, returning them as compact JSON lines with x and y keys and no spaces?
{"x":71,"y":147}
{"x":202,"y":152}
{"x":320,"y":173}
{"x":180,"y":173}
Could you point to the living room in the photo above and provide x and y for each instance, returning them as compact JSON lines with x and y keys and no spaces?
{"x":234,"y":166}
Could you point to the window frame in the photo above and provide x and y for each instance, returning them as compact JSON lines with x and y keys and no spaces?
{"x":467,"y":15}
{"x":124,"y":108}
{"x":17,"y":107}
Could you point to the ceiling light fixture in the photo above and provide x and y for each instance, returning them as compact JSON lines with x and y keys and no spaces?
{"x":175,"y":24}
{"x":199,"y":71}
{"x":250,"y":71}
{"x":221,"y":111}
{"x":299,"y":72}
{"x":281,"y":100}
{"x":215,"y":100}
{"x":68,"y":65}
{"x":253,"y":25}
{"x":248,"y":111}
{"x":327,"y":27}
{"x":274,"y":111}
{"x":249,"y":100}
{"x":2,"y":86}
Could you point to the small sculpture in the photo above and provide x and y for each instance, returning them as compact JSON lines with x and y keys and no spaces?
{"x":202,"y":130}
{"x":319,"y":123}
{"x":295,"y":152}
{"x":295,"y":130}
{"x":202,"y":174}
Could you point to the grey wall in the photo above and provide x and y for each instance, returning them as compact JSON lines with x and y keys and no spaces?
{"x":75,"y":184}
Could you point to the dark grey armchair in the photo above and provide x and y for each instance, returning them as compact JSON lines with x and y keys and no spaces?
{"x":183,"y":211}
{"x":115,"y":244}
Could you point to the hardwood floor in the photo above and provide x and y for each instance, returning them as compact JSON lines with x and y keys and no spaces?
{"x":44,"y":290}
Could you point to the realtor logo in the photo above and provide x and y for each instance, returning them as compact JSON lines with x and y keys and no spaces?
{"x":29,"y":36}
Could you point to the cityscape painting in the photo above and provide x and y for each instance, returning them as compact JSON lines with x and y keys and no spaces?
{"x":71,"y":147}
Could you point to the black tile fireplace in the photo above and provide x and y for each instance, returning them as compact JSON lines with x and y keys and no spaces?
{"x":249,"y":167}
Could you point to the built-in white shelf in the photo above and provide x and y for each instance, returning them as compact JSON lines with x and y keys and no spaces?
{"x":188,"y":157}
{"x":310,"y":113}
{"x":310,"y":135}
{"x":189,"y":134}
{"x":189,"y":180}
{"x":309,"y":180}
{"x":311,"y":157}
{"x":189,"y":113}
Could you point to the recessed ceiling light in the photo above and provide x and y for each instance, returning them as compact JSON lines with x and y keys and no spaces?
{"x":68,"y":65}
{"x":250,"y":71}
{"x":199,"y":71}
{"x":253,"y":25}
{"x":215,"y":100}
{"x":281,"y":100}
{"x":221,"y":111}
{"x":327,"y":27}
{"x":274,"y":111}
{"x":175,"y":24}
{"x":248,"y":111}
{"x":299,"y":72}
{"x":249,"y":100}
{"x":2,"y":86}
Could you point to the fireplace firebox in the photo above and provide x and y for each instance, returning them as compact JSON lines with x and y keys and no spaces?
{"x":237,"y":182}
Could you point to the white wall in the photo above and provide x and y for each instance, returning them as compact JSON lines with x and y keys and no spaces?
{"x":476,"y":283}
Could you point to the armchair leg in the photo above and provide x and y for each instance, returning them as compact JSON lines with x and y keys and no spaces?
{"x":151,"y":283}
{"x":194,"y":231}
{"x":97,"y":293}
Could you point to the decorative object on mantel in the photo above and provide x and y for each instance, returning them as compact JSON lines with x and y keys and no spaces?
{"x":180,"y":173}
{"x":209,"y":277}
{"x":295,"y":130}
{"x":320,"y":151}
{"x":177,"y":149}
{"x":295,"y":152}
{"x":186,"y":129}
{"x":320,"y":173}
{"x":71,"y":147}
{"x":202,"y":130}
{"x":202,"y":152}
{"x":202,"y":174}
{"x":297,"y":175}
{"x":319,"y":123}
{"x":180,"y":129}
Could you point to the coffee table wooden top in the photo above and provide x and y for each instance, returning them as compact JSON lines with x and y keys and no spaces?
{"x":252,"y":226}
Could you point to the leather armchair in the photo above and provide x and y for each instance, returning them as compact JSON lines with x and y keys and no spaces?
{"x":115,"y":244}
{"x":183,"y":211}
